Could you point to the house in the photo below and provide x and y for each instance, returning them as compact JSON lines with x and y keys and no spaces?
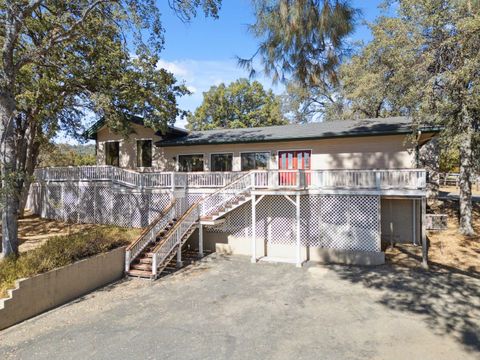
{"x":333,"y":191}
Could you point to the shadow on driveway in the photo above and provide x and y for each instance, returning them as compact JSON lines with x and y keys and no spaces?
{"x":448,"y":299}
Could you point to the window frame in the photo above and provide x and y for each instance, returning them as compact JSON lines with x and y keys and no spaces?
{"x":151,"y":152}
{"x":269,"y":156}
{"x":106,"y":154}
{"x":190,"y":154}
{"x":221,"y":153}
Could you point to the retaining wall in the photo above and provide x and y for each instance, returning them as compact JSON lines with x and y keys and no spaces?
{"x":35,"y":295}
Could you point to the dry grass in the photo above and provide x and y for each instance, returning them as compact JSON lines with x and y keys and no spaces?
{"x":456,"y":190}
{"x":59,"y":250}
{"x":448,"y":249}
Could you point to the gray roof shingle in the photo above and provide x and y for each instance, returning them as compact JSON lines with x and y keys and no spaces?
{"x":328,"y":129}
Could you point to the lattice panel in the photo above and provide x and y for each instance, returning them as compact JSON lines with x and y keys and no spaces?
{"x":350,"y":222}
{"x":310,"y":220}
{"x":341,"y":222}
{"x":280,"y":220}
{"x":53,"y":202}
{"x":71,"y":197}
{"x":103,"y":205}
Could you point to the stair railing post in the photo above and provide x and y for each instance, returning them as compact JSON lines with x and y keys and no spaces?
{"x":127,"y":260}
{"x":154,"y":265}
{"x":200,"y":240}
{"x":252,"y":179}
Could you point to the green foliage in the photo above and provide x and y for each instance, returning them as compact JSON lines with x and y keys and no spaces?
{"x":303,"y":39}
{"x":62,"y":250}
{"x":66,"y":155}
{"x":242,"y":104}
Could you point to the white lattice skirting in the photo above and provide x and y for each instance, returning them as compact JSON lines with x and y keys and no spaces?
{"x":96,"y":203}
{"x":342,"y":222}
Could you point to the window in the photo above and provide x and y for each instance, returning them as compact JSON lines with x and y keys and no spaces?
{"x":189,"y":163}
{"x":255,"y":160}
{"x":112,"y":153}
{"x":221,"y":162}
{"x":144,"y":153}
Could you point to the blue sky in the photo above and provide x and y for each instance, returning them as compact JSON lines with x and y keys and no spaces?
{"x":202,"y":52}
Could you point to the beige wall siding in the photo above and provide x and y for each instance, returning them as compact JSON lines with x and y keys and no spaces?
{"x":352,"y":153}
{"x":397,"y":220}
{"x":369,"y":152}
{"x":128,"y":147}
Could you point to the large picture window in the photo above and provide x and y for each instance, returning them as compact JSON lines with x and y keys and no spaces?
{"x":189,"y":163}
{"x":144,"y":153}
{"x":221,"y":162}
{"x":112,"y":153}
{"x":255,"y":161}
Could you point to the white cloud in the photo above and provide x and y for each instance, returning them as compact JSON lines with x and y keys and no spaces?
{"x":200,"y":75}
{"x":172,"y":66}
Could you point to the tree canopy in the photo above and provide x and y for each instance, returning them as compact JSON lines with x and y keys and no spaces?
{"x":61,"y":58}
{"x":241,"y":104}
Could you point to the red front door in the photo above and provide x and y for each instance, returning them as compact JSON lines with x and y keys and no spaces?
{"x":290,"y":161}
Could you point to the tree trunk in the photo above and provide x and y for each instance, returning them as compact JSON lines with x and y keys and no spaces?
{"x":430,"y":160}
{"x":27,"y":155}
{"x":9,"y":196}
{"x":465,"y":180}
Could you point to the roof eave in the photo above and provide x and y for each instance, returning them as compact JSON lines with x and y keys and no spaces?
{"x":249,"y":141}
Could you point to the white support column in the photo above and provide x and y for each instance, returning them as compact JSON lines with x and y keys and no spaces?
{"x":254,"y":237}
{"x":424,"y":234}
{"x":200,"y":240}
{"x":179,"y":256}
{"x":414,"y":221}
{"x":299,"y":248}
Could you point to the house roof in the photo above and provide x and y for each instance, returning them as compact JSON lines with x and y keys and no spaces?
{"x":323,"y":130}
{"x":91,"y":132}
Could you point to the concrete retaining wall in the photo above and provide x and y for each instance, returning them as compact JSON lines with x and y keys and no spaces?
{"x":43,"y":292}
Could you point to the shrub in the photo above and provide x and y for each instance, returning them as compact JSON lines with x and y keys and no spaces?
{"x":60,"y":251}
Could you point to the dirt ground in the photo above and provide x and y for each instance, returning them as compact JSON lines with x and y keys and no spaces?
{"x":455,"y":190}
{"x":34,"y":231}
{"x":448,"y":248}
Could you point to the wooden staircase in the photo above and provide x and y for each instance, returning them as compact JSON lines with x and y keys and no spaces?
{"x":142,"y":265}
{"x":226,"y":208}
{"x":157,"y":246}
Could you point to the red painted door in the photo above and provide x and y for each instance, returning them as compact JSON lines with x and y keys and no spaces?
{"x":292,"y":160}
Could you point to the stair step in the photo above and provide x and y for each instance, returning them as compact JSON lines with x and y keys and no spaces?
{"x":145,"y":260}
{"x":140,"y":273}
{"x":145,"y":267}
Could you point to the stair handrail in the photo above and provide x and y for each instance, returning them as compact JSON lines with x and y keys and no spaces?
{"x":149,"y":234}
{"x":174,"y":237}
{"x":235,"y":188}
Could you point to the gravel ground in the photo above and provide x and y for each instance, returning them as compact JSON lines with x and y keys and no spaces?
{"x":227,"y":308}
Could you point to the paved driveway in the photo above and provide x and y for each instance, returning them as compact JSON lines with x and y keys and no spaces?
{"x":227,"y":308}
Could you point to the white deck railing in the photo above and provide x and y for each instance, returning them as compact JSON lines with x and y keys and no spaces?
{"x":213,"y":202}
{"x":341,"y":179}
{"x":174,"y":238}
{"x":261,"y":179}
{"x":150,"y":233}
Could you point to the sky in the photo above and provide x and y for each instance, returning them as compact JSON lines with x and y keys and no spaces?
{"x":203,"y":52}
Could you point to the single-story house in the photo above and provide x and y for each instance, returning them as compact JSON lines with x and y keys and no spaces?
{"x":330,"y":191}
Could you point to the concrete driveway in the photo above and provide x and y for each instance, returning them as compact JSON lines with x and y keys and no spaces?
{"x":227,"y":308}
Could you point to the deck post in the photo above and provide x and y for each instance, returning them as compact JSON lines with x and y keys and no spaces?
{"x":424,"y":234}
{"x":414,"y":221}
{"x":254,"y":220}
{"x":179,"y":256}
{"x":299,"y":248}
{"x":200,"y":240}
{"x":172,"y":181}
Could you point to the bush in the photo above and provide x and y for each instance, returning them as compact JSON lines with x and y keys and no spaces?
{"x":60,"y":251}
